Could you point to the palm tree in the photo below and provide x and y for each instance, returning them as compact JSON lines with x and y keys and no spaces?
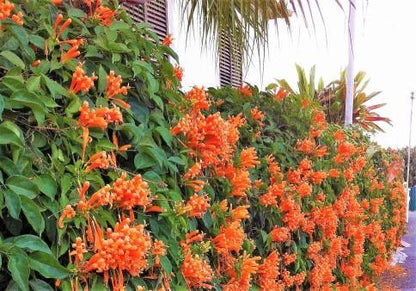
{"x":245,"y":21}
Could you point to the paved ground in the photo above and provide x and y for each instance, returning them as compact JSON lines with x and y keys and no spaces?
{"x":409,"y":282}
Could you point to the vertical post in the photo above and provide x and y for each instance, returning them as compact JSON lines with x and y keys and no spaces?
{"x":349,"y":99}
{"x":412,"y":97}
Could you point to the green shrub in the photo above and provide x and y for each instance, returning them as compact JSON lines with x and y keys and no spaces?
{"x":112,"y":178}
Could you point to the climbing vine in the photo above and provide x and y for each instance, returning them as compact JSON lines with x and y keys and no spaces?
{"x":113,"y":178}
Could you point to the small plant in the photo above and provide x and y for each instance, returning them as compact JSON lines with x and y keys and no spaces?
{"x":332,"y":99}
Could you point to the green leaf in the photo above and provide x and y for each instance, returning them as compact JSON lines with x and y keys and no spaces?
{"x":22,"y":186}
{"x":180,"y":288}
{"x":39,"y":285}
{"x":105,"y":145}
{"x":153,"y":83}
{"x":33,"y":83}
{"x":33,"y":215}
{"x":177,"y":160}
{"x":143,"y":161}
{"x":66,"y":183}
{"x":20,"y":33}
{"x":23,"y":98}
{"x":207,"y":219}
{"x":13,"y":58}
{"x":11,"y":44}
{"x":157,"y":154}
{"x":120,"y":25}
{"x":91,"y":51}
{"x":102,"y":79}
{"x":29,"y":242}
{"x":152,"y":176}
{"x":55,"y":65}
{"x":13,"y":204}
{"x":47,"y":185}
{"x":75,"y":12}
{"x":74,"y":105}
{"x":10,"y":134}
{"x":47,"y":265}
{"x":166,"y":264}
{"x":14,"y":84}
{"x":55,"y":89}
{"x":65,"y":286}
{"x":117,"y":47}
{"x":18,"y":265}
{"x":2,"y":103}
{"x":37,"y":41}
{"x":159,"y":102}
{"x":7,"y":166}
{"x":165,"y":134}
{"x":139,"y":65}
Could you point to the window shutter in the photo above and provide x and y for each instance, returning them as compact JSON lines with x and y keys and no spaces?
{"x":154,"y":12}
{"x":135,"y":10}
{"x":230,"y":62}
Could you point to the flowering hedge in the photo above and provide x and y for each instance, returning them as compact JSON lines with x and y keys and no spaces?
{"x":111,"y":178}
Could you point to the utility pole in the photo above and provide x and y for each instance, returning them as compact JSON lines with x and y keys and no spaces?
{"x":349,"y":100}
{"x":412,"y":98}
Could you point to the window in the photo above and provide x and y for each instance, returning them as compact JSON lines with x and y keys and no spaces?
{"x":230,"y":62}
{"x":154,"y":12}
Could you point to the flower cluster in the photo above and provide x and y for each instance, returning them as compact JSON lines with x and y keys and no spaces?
{"x":114,"y":88}
{"x":125,"y":248}
{"x":195,"y":269}
{"x":80,"y":81}
{"x":211,"y":141}
{"x":100,"y":12}
{"x":280,"y":94}
{"x":263,"y":194}
{"x":6,"y":9}
{"x":99,"y":118}
{"x":338,"y":228}
{"x":74,"y":43}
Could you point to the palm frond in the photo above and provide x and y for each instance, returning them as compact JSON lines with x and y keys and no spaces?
{"x":246,"y":21}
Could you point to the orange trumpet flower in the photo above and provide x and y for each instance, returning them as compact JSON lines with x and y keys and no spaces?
{"x":68,"y":213}
{"x":81,"y":82}
{"x":6,"y":9}
{"x":167,"y":41}
{"x":99,"y":160}
{"x":114,"y":88}
{"x":178,"y":73}
{"x":105,"y":15}
{"x":73,"y":52}
{"x":18,"y":18}
{"x":198,"y":205}
{"x":64,"y":26}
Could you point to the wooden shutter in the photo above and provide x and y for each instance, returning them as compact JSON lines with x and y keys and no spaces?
{"x":154,"y":12}
{"x":230,"y":62}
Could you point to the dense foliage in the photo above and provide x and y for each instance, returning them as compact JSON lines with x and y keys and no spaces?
{"x":111,"y":178}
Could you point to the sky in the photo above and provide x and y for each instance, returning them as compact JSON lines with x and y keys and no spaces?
{"x":385,"y":48}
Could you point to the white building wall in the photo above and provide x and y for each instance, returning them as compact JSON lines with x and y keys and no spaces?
{"x":199,"y":64}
